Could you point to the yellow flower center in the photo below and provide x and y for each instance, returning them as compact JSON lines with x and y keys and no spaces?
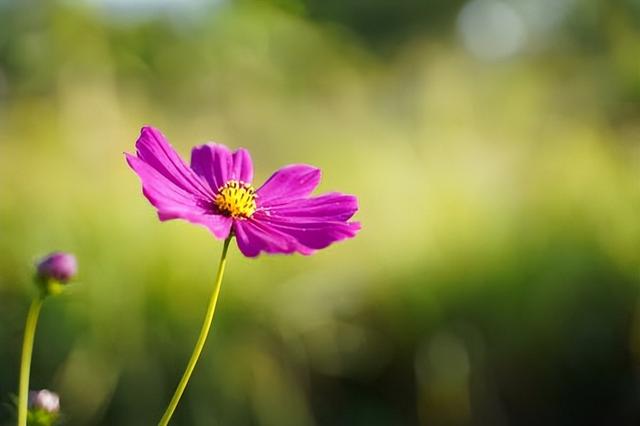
{"x":236,"y":199}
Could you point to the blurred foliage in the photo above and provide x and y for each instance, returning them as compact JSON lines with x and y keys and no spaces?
{"x":494,"y":282}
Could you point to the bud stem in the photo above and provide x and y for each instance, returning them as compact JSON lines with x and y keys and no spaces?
{"x":208,"y":319}
{"x":25,"y":363}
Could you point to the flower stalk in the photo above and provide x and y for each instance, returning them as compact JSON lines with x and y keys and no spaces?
{"x":53,"y":272}
{"x":202,"y":338}
{"x":25,"y":362}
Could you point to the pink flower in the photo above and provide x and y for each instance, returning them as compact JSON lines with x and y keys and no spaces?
{"x":216,"y":191}
{"x":44,"y":400}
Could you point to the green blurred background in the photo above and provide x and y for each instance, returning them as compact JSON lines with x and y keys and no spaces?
{"x":495,"y":149}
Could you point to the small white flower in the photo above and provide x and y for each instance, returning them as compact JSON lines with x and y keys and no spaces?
{"x":44,"y":400}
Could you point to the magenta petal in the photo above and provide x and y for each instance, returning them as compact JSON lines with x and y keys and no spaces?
{"x":174,"y":202}
{"x":217,"y":164}
{"x":290,"y":182}
{"x":242,"y":169}
{"x":154,"y":150}
{"x":212,"y":163}
{"x":332,"y":206}
{"x":312,"y":233}
{"x":254,"y":237}
{"x":160,"y":190}
{"x":303,"y":225}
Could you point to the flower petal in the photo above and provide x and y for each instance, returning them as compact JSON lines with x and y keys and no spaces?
{"x":160,"y":190}
{"x":254,"y":237}
{"x":332,"y":206}
{"x":217,"y":164}
{"x":312,"y":233}
{"x":173,"y":202}
{"x":302,"y":225}
{"x":242,"y":169}
{"x":212,"y":162}
{"x":153,"y":149}
{"x":288,"y":183}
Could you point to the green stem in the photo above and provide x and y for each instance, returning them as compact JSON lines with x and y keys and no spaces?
{"x":25,"y":362}
{"x":208,"y":319}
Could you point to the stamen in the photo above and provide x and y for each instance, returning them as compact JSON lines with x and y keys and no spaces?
{"x":236,"y":199}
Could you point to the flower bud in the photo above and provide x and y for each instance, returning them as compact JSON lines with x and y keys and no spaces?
{"x":44,"y":408}
{"x":55,"y":270}
{"x":44,"y":400}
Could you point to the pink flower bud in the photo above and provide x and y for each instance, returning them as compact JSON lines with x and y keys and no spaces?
{"x":57,"y":266}
{"x":44,"y":400}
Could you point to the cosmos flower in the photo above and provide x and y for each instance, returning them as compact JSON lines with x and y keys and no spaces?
{"x":216,"y":192}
